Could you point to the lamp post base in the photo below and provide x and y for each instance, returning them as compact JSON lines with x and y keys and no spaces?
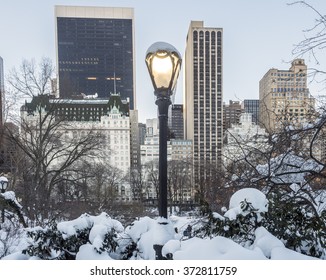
{"x":158,"y":252}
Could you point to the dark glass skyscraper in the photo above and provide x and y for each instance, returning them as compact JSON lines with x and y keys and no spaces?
{"x":252,"y":106}
{"x":95,"y":51}
{"x":176,"y":121}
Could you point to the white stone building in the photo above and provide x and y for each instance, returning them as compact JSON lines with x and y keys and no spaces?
{"x":243,"y":138}
{"x":109,"y":118}
{"x":180,"y":162}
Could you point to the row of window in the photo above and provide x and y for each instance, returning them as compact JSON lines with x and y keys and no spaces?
{"x":78,"y":62}
{"x":288,"y":74}
{"x":288,"y":89}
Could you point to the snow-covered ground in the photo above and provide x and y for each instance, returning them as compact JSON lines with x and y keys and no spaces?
{"x":146,"y":232}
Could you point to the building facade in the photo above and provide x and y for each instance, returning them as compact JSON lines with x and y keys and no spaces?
{"x":108,"y":118}
{"x":134,"y":140}
{"x":180,"y":166}
{"x":284,"y":98}
{"x":95,"y":51}
{"x":150,"y":149}
{"x":203,"y":95}
{"x":142,"y":133}
{"x":231,"y":114}
{"x":251,"y":106}
{"x":243,"y":140}
{"x":176,"y":121}
{"x":2,"y":92}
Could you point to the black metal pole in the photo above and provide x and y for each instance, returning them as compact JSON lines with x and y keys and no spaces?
{"x":3,"y":210}
{"x":163,"y":102}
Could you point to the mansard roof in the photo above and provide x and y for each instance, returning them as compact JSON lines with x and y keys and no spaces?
{"x":78,"y":109}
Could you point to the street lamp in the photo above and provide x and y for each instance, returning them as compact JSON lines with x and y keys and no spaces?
{"x":3,"y":187}
{"x":3,"y":184}
{"x":163,"y":62}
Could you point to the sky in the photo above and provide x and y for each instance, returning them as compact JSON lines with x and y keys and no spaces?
{"x":258,"y":35}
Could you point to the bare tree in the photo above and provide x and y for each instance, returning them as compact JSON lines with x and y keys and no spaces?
{"x":42,"y":140}
{"x":32,"y":79}
{"x":180,"y":183}
{"x":151,"y":171}
{"x":138,"y":183}
{"x":315,"y":40}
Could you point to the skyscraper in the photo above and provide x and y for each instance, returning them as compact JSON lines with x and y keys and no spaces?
{"x":95,"y":51}
{"x":203,"y":96}
{"x":231,"y":114}
{"x":252,"y":106}
{"x":284,"y":97}
{"x":176,"y":121}
{"x":2,"y":92}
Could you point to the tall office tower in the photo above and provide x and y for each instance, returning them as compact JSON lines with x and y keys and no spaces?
{"x":95,"y":51}
{"x":134,"y":140}
{"x":252,"y":106}
{"x":176,"y":121}
{"x":231,"y":114}
{"x":142,"y":133}
{"x":2,"y":141}
{"x":203,"y":97}
{"x":284,"y":97}
{"x":2,"y":92}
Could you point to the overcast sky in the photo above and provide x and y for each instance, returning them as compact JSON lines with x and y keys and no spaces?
{"x":258,"y":35}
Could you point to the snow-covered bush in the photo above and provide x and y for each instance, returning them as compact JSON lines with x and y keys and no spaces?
{"x":12,"y":237}
{"x":254,"y":227}
{"x":290,"y":215}
{"x":64,"y":240}
{"x":294,"y":219}
{"x":49,"y":243}
{"x":245,"y":214}
{"x":147,"y":232}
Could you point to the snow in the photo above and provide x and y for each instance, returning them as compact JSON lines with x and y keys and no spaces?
{"x":265,"y":247}
{"x":147,"y":232}
{"x":254,"y":197}
{"x":140,"y":233}
{"x":10,"y":195}
{"x":139,"y":227}
{"x":217,"y":248}
{"x":288,"y":168}
{"x":161,"y":46}
{"x":279,"y":253}
{"x":70,"y":228}
{"x":266,"y":241}
{"x":98,"y":224}
{"x":171,"y":247}
{"x":87,"y":252}
{"x":163,"y":231}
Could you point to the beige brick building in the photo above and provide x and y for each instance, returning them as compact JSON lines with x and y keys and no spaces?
{"x":284,"y":97}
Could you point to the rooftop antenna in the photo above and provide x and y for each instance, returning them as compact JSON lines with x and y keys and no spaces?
{"x":115,"y":85}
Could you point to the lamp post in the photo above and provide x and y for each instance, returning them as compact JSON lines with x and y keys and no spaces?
{"x":163,"y":62}
{"x":3,"y":187}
